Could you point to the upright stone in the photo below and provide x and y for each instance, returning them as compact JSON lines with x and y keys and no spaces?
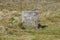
{"x":30,"y":19}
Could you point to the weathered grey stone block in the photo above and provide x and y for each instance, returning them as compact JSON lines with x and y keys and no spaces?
{"x":30,"y":19}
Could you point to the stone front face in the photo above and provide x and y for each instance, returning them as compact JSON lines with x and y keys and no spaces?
{"x":30,"y":19}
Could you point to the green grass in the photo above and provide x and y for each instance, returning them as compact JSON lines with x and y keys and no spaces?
{"x":13,"y":30}
{"x":13,"y":27}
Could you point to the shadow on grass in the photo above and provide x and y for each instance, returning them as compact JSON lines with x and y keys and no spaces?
{"x":41,"y":26}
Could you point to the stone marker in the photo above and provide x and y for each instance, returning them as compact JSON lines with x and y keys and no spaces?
{"x":30,"y":19}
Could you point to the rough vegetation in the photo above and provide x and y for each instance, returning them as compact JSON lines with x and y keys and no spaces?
{"x":11,"y":25}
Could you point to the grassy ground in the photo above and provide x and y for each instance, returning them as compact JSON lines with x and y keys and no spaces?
{"x":10,"y":27}
{"x":32,"y":35}
{"x":10,"y":21}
